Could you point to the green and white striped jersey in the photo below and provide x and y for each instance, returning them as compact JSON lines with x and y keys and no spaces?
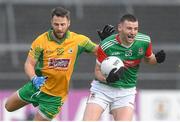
{"x":131,"y":56}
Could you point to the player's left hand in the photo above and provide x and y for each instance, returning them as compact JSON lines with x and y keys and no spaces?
{"x":160,"y":56}
{"x":115,"y":75}
{"x":106,"y":32}
{"x":38,"y":81}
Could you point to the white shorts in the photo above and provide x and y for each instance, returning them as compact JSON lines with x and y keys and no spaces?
{"x":105,"y":96}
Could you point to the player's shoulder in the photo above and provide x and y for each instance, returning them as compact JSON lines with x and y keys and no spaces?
{"x":142,"y":37}
{"x":42,"y":37}
{"x":78,"y":36}
{"x":108,"y":42}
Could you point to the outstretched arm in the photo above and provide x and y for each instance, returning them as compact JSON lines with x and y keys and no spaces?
{"x":95,"y":50}
{"x":106,"y":32}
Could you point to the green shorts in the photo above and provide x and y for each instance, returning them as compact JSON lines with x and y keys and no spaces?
{"x":48,"y":105}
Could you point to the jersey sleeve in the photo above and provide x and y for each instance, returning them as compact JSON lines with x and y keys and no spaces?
{"x":149,"y":50}
{"x":36,"y":49}
{"x":86,"y":43}
{"x":101,"y":55}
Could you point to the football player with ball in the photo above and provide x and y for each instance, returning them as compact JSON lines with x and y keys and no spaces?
{"x":116,"y":89}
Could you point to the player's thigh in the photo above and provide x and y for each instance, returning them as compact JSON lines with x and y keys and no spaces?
{"x":14,"y":102}
{"x":21,"y":98}
{"x":123,"y":108}
{"x":49,"y":106}
{"x":97,"y":102}
{"x":123,"y":113}
{"x":92,"y":112}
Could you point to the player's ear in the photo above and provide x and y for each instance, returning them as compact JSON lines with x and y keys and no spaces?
{"x":119,"y":27}
{"x":69,"y":23}
{"x":51,"y":22}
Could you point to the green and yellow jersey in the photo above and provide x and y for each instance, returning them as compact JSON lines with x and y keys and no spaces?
{"x":56,"y":59}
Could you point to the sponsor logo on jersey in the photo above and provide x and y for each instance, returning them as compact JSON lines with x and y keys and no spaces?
{"x":58,"y":63}
{"x":131,"y":63}
{"x":115,"y":53}
{"x":128,"y":53}
{"x":60,"y":51}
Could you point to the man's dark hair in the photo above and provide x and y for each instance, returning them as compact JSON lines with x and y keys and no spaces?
{"x":60,"y":11}
{"x":128,"y":17}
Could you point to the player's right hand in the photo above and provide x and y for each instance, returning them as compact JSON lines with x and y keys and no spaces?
{"x":38,"y":81}
{"x":106,"y":32}
{"x":115,"y":75}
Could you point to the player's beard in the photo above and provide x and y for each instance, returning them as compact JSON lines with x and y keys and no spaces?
{"x":127,"y":39}
{"x":60,"y":35}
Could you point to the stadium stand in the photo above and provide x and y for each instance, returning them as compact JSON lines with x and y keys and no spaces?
{"x":21,"y":22}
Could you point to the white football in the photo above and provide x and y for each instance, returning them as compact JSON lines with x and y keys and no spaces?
{"x":110,"y":63}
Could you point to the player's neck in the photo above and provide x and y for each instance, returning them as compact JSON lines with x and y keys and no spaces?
{"x":56,"y":38}
{"x":124,"y":42}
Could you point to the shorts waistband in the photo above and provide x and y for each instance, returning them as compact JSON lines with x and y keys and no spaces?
{"x":96,"y":81}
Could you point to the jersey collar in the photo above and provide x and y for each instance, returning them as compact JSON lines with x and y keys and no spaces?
{"x":52,"y":37}
{"x":120,"y":42}
{"x":118,"y":39}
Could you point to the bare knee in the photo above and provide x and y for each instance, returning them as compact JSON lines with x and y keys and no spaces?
{"x":123,"y":114}
{"x":14,"y":102}
{"x":92,"y":112}
{"x":8,"y":107}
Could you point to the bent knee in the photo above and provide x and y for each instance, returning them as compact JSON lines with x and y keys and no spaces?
{"x":14,"y":102}
{"x":8,"y":107}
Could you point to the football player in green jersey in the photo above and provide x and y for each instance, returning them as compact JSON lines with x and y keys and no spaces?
{"x":117,"y":91}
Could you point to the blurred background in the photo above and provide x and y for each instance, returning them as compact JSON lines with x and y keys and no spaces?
{"x":21,"y":21}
